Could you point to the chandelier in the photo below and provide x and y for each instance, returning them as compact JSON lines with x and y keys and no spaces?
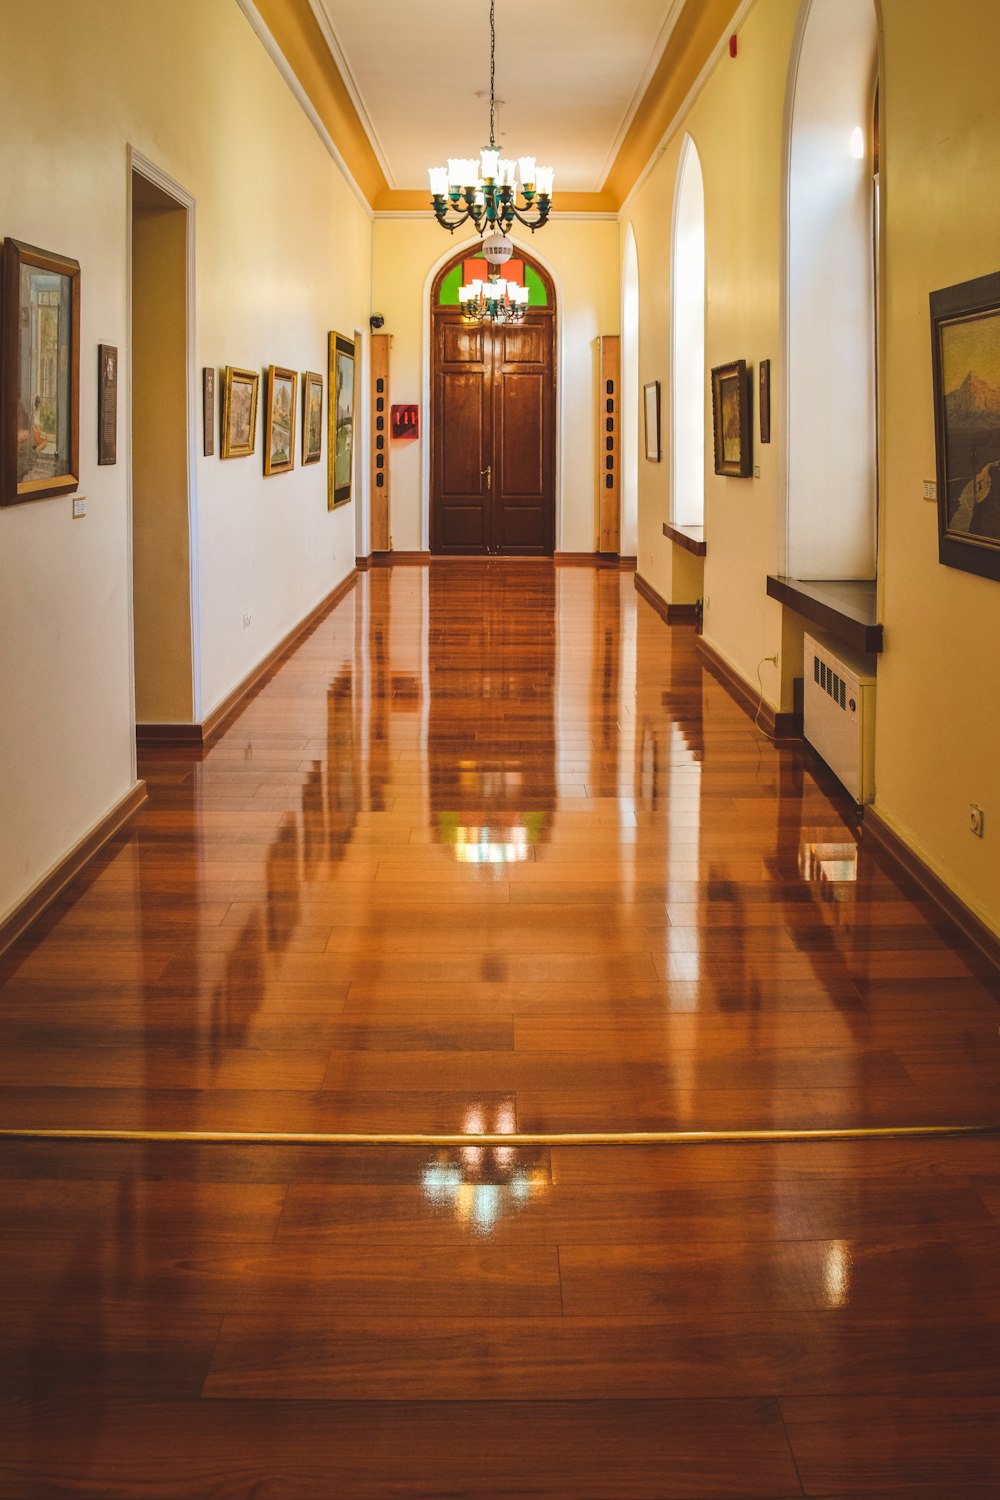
{"x":485,"y":191}
{"x":498,"y":300}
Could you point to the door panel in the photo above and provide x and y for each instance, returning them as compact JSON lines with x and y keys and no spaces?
{"x":494,"y":409}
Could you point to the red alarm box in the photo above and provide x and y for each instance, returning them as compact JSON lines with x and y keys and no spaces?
{"x":405,"y":421}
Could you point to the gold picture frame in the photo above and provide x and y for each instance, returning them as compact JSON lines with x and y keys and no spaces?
{"x":39,"y":374}
{"x":239,"y":412}
{"x":340,"y":419}
{"x":733,"y":440}
{"x":279,"y":424}
{"x":312,"y":417}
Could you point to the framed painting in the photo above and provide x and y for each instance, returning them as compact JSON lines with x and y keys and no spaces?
{"x":208,"y":410}
{"x":312,"y":417}
{"x":731,"y":420}
{"x":107,"y":404}
{"x":39,"y":374}
{"x":279,"y":425}
{"x":764,"y":400}
{"x":965,"y":343}
{"x":651,"y":416}
{"x":239,"y":412}
{"x":340,"y":424}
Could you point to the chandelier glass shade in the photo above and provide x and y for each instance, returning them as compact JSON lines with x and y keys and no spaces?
{"x":484,"y":190}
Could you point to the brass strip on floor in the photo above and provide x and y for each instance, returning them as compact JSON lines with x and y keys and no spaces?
{"x":522,"y":1138}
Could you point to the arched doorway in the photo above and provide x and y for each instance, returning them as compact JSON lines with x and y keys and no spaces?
{"x":687,"y":322}
{"x":492,"y":419}
{"x":630,"y":398}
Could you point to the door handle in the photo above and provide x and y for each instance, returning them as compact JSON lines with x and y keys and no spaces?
{"x":488,"y":471}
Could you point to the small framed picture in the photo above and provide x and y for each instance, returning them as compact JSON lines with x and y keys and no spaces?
{"x":731,"y":420}
{"x":965,"y":352}
{"x":39,"y":374}
{"x":279,"y":429}
{"x":764,"y":401}
{"x":239,"y":412}
{"x":340,"y":423}
{"x":651,"y":415}
{"x":208,"y":410}
{"x":312,"y":417}
{"x":107,"y":404}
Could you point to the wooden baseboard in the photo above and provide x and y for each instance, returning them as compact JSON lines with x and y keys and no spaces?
{"x":363,"y":563}
{"x":586,"y":559}
{"x":627,"y":564}
{"x":780,"y":726}
{"x":399,"y":559}
{"x":674,"y":614}
{"x":952,"y":907}
{"x":48,"y":888}
{"x":196,"y":735}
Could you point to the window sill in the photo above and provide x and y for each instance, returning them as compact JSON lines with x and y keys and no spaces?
{"x":847,"y":607}
{"x":691,"y":538}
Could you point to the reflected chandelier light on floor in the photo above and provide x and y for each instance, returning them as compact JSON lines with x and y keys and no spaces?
{"x":485,"y":191}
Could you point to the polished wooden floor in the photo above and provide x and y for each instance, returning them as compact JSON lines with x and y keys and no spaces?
{"x":490,"y":853}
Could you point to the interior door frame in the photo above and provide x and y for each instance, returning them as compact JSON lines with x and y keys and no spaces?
{"x":463,"y":251}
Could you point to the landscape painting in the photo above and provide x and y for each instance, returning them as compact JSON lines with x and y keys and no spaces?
{"x":731,"y":419}
{"x":279,"y":449}
{"x":341,"y":418}
{"x":967,"y":412}
{"x":239,"y":412}
{"x":312,"y":417}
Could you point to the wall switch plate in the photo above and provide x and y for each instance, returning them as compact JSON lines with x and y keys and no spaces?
{"x":79,"y":506}
{"x":930,"y":489}
{"x":246,"y":621}
{"x":756,"y":471}
{"x":976,"y":820}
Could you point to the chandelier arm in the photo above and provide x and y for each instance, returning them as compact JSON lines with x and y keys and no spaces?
{"x":453,"y":224}
{"x":543,"y":214}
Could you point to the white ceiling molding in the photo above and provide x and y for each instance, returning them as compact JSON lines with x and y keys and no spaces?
{"x":716,"y":55}
{"x":276,"y":55}
{"x":339,"y":56}
{"x":666,"y":31}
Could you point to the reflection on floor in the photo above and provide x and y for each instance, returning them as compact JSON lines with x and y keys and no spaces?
{"x":489,"y":853}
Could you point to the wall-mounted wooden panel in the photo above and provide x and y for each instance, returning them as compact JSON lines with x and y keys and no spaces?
{"x":609,"y":444}
{"x":381,"y":344}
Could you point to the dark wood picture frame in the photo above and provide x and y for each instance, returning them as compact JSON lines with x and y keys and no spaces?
{"x":312,"y":442}
{"x":39,"y":429}
{"x":965,"y":353}
{"x":732,"y":438}
{"x":279,"y":420}
{"x":651,"y":419}
{"x":764,"y":400}
{"x":107,"y":404}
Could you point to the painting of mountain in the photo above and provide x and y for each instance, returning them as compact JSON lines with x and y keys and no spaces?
{"x":970,"y":369}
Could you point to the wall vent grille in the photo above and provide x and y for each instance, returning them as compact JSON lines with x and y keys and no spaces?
{"x":830,"y":682}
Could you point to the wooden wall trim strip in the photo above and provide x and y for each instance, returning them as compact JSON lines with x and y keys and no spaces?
{"x":780,"y":726}
{"x":48,"y":888}
{"x":236,"y":701}
{"x":951,"y":906}
{"x":674,"y":614}
{"x":406,"y":559}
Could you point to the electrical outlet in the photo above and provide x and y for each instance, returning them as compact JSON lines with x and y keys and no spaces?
{"x":976,"y":820}
{"x":246,"y":621}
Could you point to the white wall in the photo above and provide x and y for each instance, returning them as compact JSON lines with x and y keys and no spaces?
{"x":282,"y":255}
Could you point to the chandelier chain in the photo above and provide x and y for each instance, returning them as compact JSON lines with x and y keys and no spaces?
{"x":493,"y":68}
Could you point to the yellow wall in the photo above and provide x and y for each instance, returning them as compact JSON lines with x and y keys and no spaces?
{"x":161,"y":591}
{"x":583,"y":259}
{"x":283,"y":252}
{"x":938,"y":709}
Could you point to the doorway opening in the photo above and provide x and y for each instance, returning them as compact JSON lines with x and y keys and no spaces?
{"x":163,"y":596}
{"x":631,"y":414}
{"x":687,"y":321}
{"x":493,"y":404}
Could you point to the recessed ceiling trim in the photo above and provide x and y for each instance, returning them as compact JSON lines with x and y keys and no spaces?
{"x":283,"y":66}
{"x":339,"y":56}
{"x":659,"y":47}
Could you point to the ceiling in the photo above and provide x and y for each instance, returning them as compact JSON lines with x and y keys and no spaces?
{"x":571,"y":74}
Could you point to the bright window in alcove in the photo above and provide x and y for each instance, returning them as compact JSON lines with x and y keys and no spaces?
{"x":687,"y":322}
{"x":831,"y":290}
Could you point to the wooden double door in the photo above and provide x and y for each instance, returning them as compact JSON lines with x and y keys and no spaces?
{"x":493,"y":457}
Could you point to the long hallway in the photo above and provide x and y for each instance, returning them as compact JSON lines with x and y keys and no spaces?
{"x":491,"y":853}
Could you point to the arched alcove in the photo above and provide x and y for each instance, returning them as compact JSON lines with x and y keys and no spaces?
{"x":831,"y":353}
{"x":687,"y":343}
{"x":630,"y":398}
